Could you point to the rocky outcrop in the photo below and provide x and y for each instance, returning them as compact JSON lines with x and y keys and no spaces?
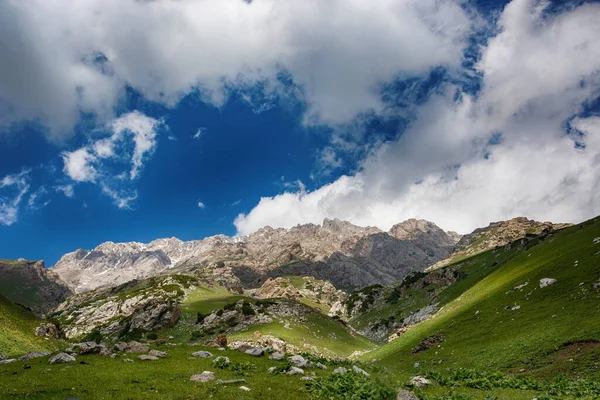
{"x":498,"y":234}
{"x":138,"y":306}
{"x":347,"y":255}
{"x":30,"y":284}
{"x":318,"y":292}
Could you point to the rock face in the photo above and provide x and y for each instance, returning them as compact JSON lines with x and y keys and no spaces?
{"x":133,"y":307}
{"x":30,"y":284}
{"x":500,"y":234}
{"x":319,"y":292}
{"x":347,"y":255}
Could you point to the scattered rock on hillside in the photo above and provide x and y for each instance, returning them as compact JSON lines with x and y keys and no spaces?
{"x":596,"y":240}
{"x":547,"y":282}
{"x":137,"y":347}
{"x":221,"y":360}
{"x":245,"y":388}
{"x":3,"y":357}
{"x":204,"y":377}
{"x":157,"y":353}
{"x":88,"y":348}
{"x":340,"y":371}
{"x":47,"y":330}
{"x":146,"y":357}
{"x":61,"y":358}
{"x":516,"y":308}
{"x":277,"y":356}
{"x":428,"y":343}
{"x":521,"y":286}
{"x":229,"y":381}
{"x":8,"y":361}
{"x":300,"y":361}
{"x":360,"y":371}
{"x":256,"y":351}
{"x":420,"y":381}
{"x":406,"y":395}
{"x":31,"y":356}
{"x":203,"y":354}
{"x":295,"y":371}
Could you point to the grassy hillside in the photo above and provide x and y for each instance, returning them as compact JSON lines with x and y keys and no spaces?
{"x":488,"y":325}
{"x":17,"y":326}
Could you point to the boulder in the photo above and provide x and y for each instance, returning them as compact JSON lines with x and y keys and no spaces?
{"x":8,"y":361}
{"x":204,"y":377}
{"x":159,"y":354}
{"x":300,"y":361}
{"x":61,"y":358}
{"x":221,"y":359}
{"x":146,"y":357}
{"x":31,"y":356}
{"x":3,"y":357}
{"x":321,"y":366}
{"x":406,"y":395}
{"x":360,"y":371}
{"x":203,"y":354}
{"x":245,"y":388}
{"x":295,"y":371}
{"x":88,"y":348}
{"x":277,"y":356}
{"x":256,"y":351}
{"x":128,"y":360}
{"x":121,"y":346}
{"x":420,"y":381}
{"x":137,"y":347}
{"x":546,"y":282}
{"x":340,"y":371}
{"x":47,"y":330}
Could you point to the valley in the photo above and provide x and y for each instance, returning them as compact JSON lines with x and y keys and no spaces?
{"x":513,"y":312}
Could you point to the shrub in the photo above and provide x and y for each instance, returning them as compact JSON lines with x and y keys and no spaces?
{"x":93,"y":336}
{"x":152,"y":336}
{"x":349,"y":387}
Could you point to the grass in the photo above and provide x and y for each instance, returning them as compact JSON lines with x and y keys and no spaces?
{"x":17,"y":326}
{"x":206,"y":300}
{"x":482,"y":333}
{"x":328,"y":335}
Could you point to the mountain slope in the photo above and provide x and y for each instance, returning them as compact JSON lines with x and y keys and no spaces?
{"x":508,"y":319}
{"x":30,"y":284}
{"x":347,"y":255}
{"x":17,"y":327}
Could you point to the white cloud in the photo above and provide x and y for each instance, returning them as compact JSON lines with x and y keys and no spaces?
{"x":114,"y":160}
{"x":201,"y":205}
{"x":12,"y":190}
{"x":78,"y":165}
{"x":537,"y":73}
{"x":64,"y":58}
{"x":199,"y":133}
{"x":67,"y":190}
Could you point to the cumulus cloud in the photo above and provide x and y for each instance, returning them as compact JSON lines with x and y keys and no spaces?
{"x":13,"y":189}
{"x":131,"y":140}
{"x":67,"y":190}
{"x":60,"y":59}
{"x":517,"y":148}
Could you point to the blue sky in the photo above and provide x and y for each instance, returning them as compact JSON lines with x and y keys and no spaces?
{"x":277,"y":114}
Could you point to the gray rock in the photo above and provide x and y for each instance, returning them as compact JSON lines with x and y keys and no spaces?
{"x":295,"y":371}
{"x":245,"y":388}
{"x":360,"y":371}
{"x":272,"y":369}
{"x":546,"y":282}
{"x":229,"y":381}
{"x":406,"y":395}
{"x":159,"y":354}
{"x":137,"y":347}
{"x":88,"y":348}
{"x":31,"y":356}
{"x":61,"y":358}
{"x":340,"y":370}
{"x":256,"y":351}
{"x":420,"y":381}
{"x":3,"y":357}
{"x":121,"y":346}
{"x":516,"y":307}
{"x":146,"y":357}
{"x":8,"y":361}
{"x":47,"y":330}
{"x":300,"y":361}
{"x":321,"y":366}
{"x":222,"y":359}
{"x":307,"y":378}
{"x":204,"y":377}
{"x":129,"y":360}
{"x":203,"y":354}
{"x":277,"y":356}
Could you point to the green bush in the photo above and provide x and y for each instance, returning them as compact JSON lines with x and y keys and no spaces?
{"x":93,"y":336}
{"x":152,"y":336}
{"x":349,"y":387}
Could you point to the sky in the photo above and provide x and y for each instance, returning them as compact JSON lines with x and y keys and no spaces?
{"x":124,"y":120}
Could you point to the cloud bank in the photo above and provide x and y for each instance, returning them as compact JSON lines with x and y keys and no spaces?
{"x":522,"y":146}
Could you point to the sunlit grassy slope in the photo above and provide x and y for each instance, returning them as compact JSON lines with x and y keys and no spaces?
{"x":17,"y":326}
{"x":555,"y":329}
